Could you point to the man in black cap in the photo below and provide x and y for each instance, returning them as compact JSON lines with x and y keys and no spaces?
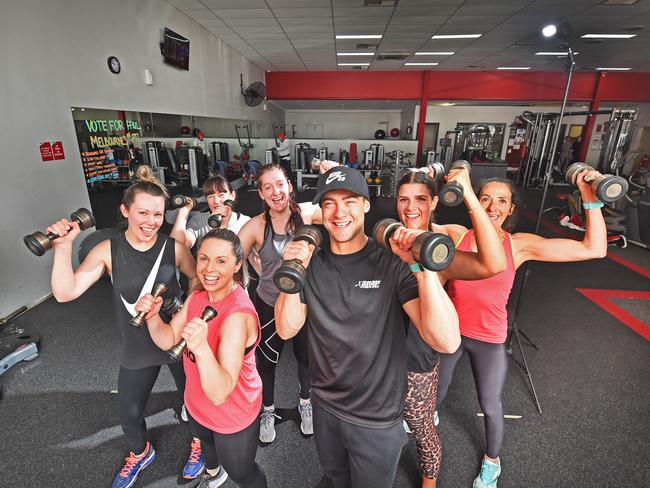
{"x":356,"y":302}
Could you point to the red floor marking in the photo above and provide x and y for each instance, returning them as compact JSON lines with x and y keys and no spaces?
{"x":614,"y":257}
{"x":602,"y":298}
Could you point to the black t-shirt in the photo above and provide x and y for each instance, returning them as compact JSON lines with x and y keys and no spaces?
{"x":356,"y":329}
{"x":134,"y":274}
{"x":420,"y":357}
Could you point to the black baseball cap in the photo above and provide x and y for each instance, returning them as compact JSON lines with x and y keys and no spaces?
{"x":341,"y":178}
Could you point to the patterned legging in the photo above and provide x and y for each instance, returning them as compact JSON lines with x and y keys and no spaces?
{"x":418,"y":413}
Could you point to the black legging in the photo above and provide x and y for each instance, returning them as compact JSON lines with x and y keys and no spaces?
{"x":235,"y":452}
{"x":268,"y":352}
{"x":489,"y":366}
{"x":134,"y":387}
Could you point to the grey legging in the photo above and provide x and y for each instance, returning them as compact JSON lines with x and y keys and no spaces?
{"x":489,"y":366}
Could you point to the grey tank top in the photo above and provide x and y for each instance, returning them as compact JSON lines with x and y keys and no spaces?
{"x":271,"y":258}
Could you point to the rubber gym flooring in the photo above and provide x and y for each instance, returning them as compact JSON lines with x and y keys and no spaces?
{"x":60,"y":426}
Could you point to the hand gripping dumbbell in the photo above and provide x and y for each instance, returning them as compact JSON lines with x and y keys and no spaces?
{"x":290,"y":276}
{"x":159,"y":289}
{"x":215,"y":220}
{"x":179,"y":201}
{"x":432,"y":250}
{"x":175,"y":352}
{"x":608,"y":188}
{"x":39,"y":243}
{"x":451,"y":193}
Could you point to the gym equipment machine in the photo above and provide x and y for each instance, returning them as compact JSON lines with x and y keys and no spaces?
{"x":163,"y":162}
{"x":194,"y":162}
{"x":220,"y":151}
{"x":175,"y":352}
{"x":432,"y":250}
{"x":304,"y":153}
{"x":397,"y":161}
{"x":271,"y":156}
{"x":39,"y":243}
{"x":323,"y":153}
{"x":159,"y":289}
{"x":290,"y":276}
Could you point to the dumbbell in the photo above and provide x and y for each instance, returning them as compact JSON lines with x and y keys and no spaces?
{"x":290,"y":276}
{"x":39,"y":243}
{"x":608,"y":188}
{"x":158,"y":290}
{"x":171,"y":304}
{"x":451,"y":192}
{"x":179,"y":201}
{"x":432,"y":250}
{"x":215,"y":220}
{"x":175,"y":352}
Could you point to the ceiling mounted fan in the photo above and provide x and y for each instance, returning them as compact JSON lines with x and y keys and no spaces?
{"x":254,"y":94}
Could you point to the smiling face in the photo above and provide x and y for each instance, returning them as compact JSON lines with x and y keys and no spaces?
{"x":145,"y":216}
{"x":215,"y":202}
{"x":216,"y":265}
{"x":415,"y":205}
{"x":344,"y":215}
{"x":496,"y":199}
{"x":275,"y":189}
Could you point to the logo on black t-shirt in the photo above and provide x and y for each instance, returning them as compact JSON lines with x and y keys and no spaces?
{"x":368,"y":284}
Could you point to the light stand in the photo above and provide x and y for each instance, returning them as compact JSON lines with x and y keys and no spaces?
{"x":564,"y":32}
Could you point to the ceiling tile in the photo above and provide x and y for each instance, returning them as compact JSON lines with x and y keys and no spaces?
{"x":302,"y":12}
{"x":243,"y":13}
{"x":186,"y":4}
{"x":363,"y":12}
{"x":218,"y":4}
{"x":271,"y":23}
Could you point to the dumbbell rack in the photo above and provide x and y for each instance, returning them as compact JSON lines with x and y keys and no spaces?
{"x":368,"y":172}
{"x":391,"y":170}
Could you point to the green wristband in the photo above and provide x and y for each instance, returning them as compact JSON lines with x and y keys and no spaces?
{"x":416,"y":267}
{"x":592,"y":205}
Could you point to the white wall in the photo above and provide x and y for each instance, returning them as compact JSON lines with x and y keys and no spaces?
{"x":338,"y":124}
{"x":54,"y":56}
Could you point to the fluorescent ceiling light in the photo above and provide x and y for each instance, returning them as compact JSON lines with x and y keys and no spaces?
{"x":436,"y":53}
{"x":550,"y":30}
{"x":456,"y":36}
{"x":447,"y":104}
{"x":420,"y":64}
{"x":554,"y":53}
{"x":608,"y":36}
{"x":613,"y":69}
{"x":514,"y":67}
{"x":361,"y":36}
{"x":355,"y":54}
{"x":353,"y":64}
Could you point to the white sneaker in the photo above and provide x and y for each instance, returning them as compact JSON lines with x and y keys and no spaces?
{"x":306,"y":418}
{"x":436,"y":419}
{"x":267,"y":426}
{"x":215,"y":481}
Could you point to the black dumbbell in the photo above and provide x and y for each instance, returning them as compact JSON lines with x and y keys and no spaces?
{"x":175,"y":352}
{"x":179,"y":201}
{"x":451,"y":193}
{"x":432,"y":250}
{"x":158,"y":290}
{"x":171,"y":304}
{"x":215,"y":220}
{"x":290,"y":276}
{"x":608,"y":188}
{"x":39,"y":243}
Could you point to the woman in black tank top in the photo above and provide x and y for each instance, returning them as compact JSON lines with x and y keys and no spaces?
{"x":135,"y":259}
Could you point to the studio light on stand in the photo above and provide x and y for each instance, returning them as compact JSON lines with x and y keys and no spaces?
{"x":563,"y":32}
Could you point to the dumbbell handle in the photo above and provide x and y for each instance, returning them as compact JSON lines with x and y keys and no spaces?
{"x":158,"y":290}
{"x":175,"y":352}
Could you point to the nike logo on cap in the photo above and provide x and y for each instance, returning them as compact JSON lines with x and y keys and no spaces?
{"x":148,"y":285}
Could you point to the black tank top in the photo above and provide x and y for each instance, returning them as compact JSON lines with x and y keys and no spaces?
{"x":134,"y":274}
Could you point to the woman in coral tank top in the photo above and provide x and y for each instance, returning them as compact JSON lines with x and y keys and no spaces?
{"x":223,"y":394}
{"x":481,"y":304}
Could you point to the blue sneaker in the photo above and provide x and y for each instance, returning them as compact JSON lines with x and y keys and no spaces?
{"x":488,"y":476}
{"x":134,"y":464}
{"x":195,"y":464}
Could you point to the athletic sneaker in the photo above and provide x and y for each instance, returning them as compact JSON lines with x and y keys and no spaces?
{"x":215,"y":481}
{"x":267,"y":426}
{"x":195,"y":464}
{"x":306,"y":420}
{"x":488,"y":476}
{"x":134,"y":464}
{"x":436,"y":419}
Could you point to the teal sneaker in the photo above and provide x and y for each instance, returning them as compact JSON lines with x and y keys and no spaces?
{"x":488,"y":476}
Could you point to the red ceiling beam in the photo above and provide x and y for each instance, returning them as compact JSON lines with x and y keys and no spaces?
{"x":454,"y":85}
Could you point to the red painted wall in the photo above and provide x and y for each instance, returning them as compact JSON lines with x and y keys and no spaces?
{"x":454,"y":85}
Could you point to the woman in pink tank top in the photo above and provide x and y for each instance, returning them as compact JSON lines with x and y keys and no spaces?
{"x":223,"y":394}
{"x":481,"y":305}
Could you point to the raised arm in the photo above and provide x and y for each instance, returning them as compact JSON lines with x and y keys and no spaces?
{"x":68,"y":284}
{"x":432,"y":314}
{"x":179,"y":230}
{"x":219,"y":373}
{"x":290,"y":312}
{"x":594,"y":245}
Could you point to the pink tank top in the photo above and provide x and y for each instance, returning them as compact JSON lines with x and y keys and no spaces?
{"x":481,"y":304}
{"x":243,"y":405}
